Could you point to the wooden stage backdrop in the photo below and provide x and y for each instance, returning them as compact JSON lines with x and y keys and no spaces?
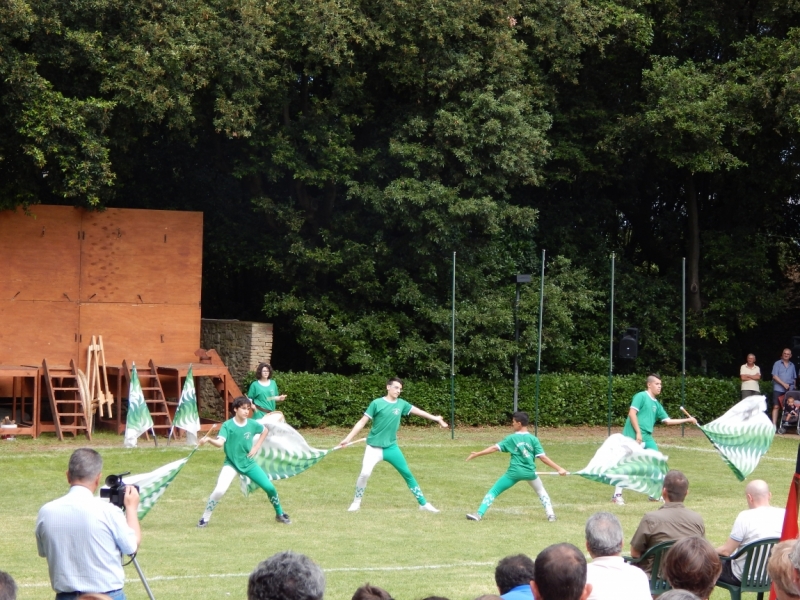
{"x":132,"y":276}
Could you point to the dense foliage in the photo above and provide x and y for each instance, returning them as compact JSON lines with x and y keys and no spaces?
{"x":341,"y":151}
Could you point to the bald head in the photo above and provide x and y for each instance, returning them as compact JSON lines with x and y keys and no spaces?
{"x":757,"y":493}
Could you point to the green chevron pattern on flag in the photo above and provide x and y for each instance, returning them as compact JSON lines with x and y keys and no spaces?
{"x":285,"y":453}
{"x":152,"y":485}
{"x":621,"y":461}
{"x":186,"y":415}
{"x":742,"y":435}
{"x":139,"y":419}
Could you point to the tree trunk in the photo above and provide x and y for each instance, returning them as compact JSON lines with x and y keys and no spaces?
{"x":693,"y":244}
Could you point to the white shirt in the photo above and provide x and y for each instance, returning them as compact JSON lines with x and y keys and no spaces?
{"x":81,"y":537}
{"x":755,"y":524}
{"x":614,"y":579}
{"x":750,"y":384}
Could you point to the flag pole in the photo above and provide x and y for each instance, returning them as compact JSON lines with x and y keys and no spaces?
{"x":539,"y":351}
{"x":683,"y":356}
{"x":453,"y":357}
{"x":611,"y":346}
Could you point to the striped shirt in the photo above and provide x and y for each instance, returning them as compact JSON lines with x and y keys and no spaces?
{"x":82,"y":537}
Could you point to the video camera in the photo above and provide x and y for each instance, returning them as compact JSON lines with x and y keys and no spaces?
{"x":116,"y":489}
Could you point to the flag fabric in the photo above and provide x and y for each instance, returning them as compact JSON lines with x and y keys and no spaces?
{"x":139,"y":419}
{"x":152,"y":485}
{"x":790,"y":529}
{"x":742,"y":435}
{"x":283,"y":454}
{"x":186,"y":415}
{"x":620,"y":461}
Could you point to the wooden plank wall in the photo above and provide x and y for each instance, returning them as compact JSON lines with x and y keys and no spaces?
{"x":132,"y":276}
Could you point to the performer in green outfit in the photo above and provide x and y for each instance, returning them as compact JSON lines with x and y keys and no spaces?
{"x":263,"y":392}
{"x":524,"y":449}
{"x":385,"y":414}
{"x":643,"y":414}
{"x":236,"y":437}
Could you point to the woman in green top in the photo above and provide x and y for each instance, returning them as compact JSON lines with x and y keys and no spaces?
{"x":264,"y":391}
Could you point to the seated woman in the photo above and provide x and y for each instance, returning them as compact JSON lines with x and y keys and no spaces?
{"x":692,"y":564}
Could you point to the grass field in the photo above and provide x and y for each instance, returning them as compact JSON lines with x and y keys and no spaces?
{"x":388,"y":543}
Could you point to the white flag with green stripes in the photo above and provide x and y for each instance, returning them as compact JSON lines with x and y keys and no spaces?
{"x":139,"y":419}
{"x":186,"y":416}
{"x":283,"y":454}
{"x":620,"y":461}
{"x":742,"y":435}
{"x":152,"y":485}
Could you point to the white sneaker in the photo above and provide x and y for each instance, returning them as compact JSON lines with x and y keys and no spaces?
{"x":356,"y":505}
{"x":617,"y":499}
{"x":551,"y":518}
{"x":473,"y":517}
{"x":429,"y":507}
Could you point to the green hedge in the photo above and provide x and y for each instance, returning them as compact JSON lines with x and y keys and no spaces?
{"x":336,"y":400}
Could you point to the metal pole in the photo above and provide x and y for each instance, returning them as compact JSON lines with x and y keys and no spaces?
{"x":539,"y":351}
{"x":141,"y":576}
{"x":611,"y":346}
{"x":516,"y":349}
{"x":683,"y":357}
{"x":453,"y":358}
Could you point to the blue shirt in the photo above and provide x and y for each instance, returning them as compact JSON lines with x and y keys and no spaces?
{"x":785,"y":374}
{"x":81,"y":537}
{"x":521,"y":592}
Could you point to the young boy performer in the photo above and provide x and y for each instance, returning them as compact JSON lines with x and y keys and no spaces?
{"x":385,"y":414}
{"x":524,"y":449}
{"x":645,"y":410}
{"x":236,"y":437}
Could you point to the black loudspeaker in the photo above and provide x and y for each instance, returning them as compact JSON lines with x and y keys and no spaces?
{"x":629,"y":344}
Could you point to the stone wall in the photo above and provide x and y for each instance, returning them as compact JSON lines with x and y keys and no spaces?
{"x":240,"y":344}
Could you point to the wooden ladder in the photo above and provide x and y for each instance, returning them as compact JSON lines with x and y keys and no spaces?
{"x":67,"y":401}
{"x":153,"y":395}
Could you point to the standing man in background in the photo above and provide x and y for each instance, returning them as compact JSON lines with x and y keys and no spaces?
{"x":783,"y":378}
{"x":750,"y":375}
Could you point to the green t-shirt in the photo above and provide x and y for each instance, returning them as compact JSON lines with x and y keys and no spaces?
{"x":238,"y":442}
{"x":385,"y":417}
{"x":259,"y":393}
{"x":648,"y":411}
{"x":524,"y":448}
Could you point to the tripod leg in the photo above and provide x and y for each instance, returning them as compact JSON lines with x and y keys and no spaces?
{"x":141,"y":576}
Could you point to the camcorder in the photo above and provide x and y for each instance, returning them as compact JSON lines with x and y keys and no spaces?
{"x":115,"y":492}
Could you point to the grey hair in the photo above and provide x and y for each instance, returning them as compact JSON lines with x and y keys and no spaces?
{"x":678,"y":595}
{"x":85,"y":464}
{"x":8,"y":587}
{"x":794,"y":557}
{"x":286,"y":576}
{"x":604,"y":534}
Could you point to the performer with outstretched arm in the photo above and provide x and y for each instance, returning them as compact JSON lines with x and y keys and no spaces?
{"x":385,"y":414}
{"x":236,"y":437}
{"x":524,"y":449}
{"x":645,"y":410}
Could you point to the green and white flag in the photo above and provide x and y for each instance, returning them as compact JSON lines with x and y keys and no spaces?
{"x":283,"y":454}
{"x":742,"y":435}
{"x":152,"y":485}
{"x":139,"y":419}
{"x":186,"y":416}
{"x":620,"y":461}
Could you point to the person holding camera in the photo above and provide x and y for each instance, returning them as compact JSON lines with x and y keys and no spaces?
{"x":82,"y":536}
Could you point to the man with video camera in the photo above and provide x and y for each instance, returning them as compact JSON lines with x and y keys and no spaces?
{"x":82,"y":537}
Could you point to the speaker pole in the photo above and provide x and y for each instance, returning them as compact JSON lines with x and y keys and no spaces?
{"x":683,"y":357}
{"x":611,"y":346}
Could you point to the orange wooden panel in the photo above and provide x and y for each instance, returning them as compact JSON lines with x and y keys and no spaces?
{"x":139,"y":332}
{"x":32,"y":331}
{"x":142,"y":256}
{"x":40,"y":254}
